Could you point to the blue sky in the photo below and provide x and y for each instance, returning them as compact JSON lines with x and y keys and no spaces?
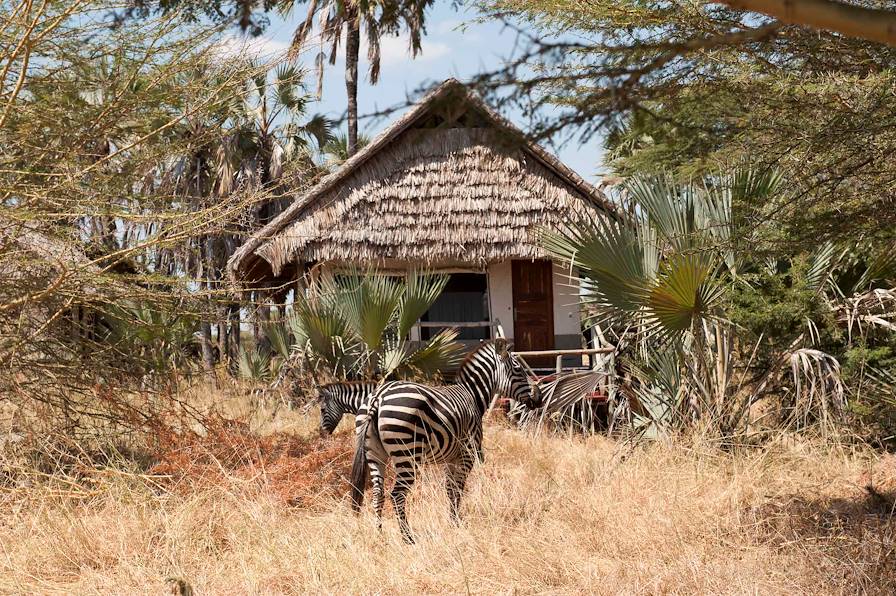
{"x":454,"y":46}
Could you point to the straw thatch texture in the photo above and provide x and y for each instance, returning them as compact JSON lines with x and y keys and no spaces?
{"x":450,"y":181}
{"x":457,"y":194}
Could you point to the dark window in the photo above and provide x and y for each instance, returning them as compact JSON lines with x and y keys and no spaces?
{"x":464,"y":300}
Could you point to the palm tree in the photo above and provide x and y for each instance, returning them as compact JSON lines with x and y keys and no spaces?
{"x":255,"y":139}
{"x":357,"y":326}
{"x":336,"y":150}
{"x":271,"y":140}
{"x":660,"y":276}
{"x":377,"y":18}
{"x":270,"y":132}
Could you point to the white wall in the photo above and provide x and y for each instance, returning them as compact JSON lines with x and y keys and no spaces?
{"x":500,"y":287}
{"x":567,"y":320}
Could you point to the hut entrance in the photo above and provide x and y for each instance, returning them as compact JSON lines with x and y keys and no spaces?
{"x":533,"y":308}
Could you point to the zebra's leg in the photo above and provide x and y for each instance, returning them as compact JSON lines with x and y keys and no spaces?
{"x":476,"y":441}
{"x":404,"y":479}
{"x":379,"y":493}
{"x":376,"y":462}
{"x":455,"y":482}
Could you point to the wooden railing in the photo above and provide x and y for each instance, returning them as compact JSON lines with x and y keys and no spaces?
{"x":561,"y":353}
{"x":459,"y":325}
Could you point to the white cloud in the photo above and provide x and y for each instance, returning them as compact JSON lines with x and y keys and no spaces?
{"x":396,"y":50}
{"x":257,"y":47}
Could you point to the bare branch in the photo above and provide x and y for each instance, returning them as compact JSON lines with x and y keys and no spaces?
{"x":870,"y":24}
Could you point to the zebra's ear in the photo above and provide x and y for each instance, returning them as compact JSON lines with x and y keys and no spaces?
{"x":501,"y":346}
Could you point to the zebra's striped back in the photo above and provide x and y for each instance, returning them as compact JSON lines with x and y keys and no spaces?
{"x":338,"y":399}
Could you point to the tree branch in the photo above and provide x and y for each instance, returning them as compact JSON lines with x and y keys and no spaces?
{"x":870,"y":24}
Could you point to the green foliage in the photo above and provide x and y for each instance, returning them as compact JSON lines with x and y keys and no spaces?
{"x":777,"y":305}
{"x":277,"y":334}
{"x":94,"y":123}
{"x":685,"y":87}
{"x":357,"y":326}
{"x":151,"y":339}
{"x":654,"y":270}
{"x":711,"y":329}
{"x":254,"y":365}
{"x":336,"y":149}
{"x":248,"y":15}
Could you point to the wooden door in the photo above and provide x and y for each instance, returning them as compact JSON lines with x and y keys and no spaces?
{"x":533,"y":308}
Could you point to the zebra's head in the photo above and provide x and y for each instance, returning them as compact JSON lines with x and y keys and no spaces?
{"x":331,"y":411}
{"x":514,"y":380}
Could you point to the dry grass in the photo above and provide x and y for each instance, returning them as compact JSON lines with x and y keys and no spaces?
{"x":548,"y":515}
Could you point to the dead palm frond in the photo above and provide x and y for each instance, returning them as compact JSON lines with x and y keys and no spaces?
{"x":818,"y":391}
{"x":568,"y":401}
{"x":875,"y":308}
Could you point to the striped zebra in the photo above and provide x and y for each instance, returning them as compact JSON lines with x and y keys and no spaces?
{"x":338,"y":399}
{"x":411,"y":423}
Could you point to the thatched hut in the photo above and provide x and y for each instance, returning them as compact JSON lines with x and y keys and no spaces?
{"x":450,"y":186}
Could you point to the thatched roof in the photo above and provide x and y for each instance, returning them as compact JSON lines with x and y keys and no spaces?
{"x":450,"y":181}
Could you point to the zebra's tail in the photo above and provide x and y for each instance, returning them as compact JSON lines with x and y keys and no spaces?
{"x":359,"y":467}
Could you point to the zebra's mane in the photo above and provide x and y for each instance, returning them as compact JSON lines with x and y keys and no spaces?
{"x":479,"y":348}
{"x":326,"y":386}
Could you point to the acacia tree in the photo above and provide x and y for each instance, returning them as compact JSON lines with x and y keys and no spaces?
{"x":93,"y":119}
{"x":686,"y":86}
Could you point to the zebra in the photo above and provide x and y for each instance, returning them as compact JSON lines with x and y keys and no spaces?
{"x":411,"y":423}
{"x":338,"y":399}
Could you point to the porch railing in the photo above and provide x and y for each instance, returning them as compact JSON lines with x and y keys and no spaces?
{"x":559,"y":354}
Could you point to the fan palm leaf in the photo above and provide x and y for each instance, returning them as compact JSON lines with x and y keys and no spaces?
{"x":370,"y":303}
{"x":440,"y":353}
{"x":420,"y":292}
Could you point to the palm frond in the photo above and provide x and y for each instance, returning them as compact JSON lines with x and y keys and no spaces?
{"x":566,"y":400}
{"x":441,"y":352}
{"x":277,"y":333}
{"x":369,"y":303}
{"x":254,"y":365}
{"x":750,"y":184}
{"x":821,"y":267}
{"x":882,"y":268}
{"x":819,"y":394}
{"x":420,"y":292}
{"x":685,"y":293}
{"x":611,"y":259}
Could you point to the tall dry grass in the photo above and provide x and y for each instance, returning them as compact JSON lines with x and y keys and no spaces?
{"x":547,"y":515}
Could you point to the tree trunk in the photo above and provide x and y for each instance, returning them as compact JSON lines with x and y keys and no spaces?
{"x":352,"y":48}
{"x":233,"y":339}
{"x":222,"y":333}
{"x":871,"y":24}
{"x":208,"y":356}
{"x":262,"y":320}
